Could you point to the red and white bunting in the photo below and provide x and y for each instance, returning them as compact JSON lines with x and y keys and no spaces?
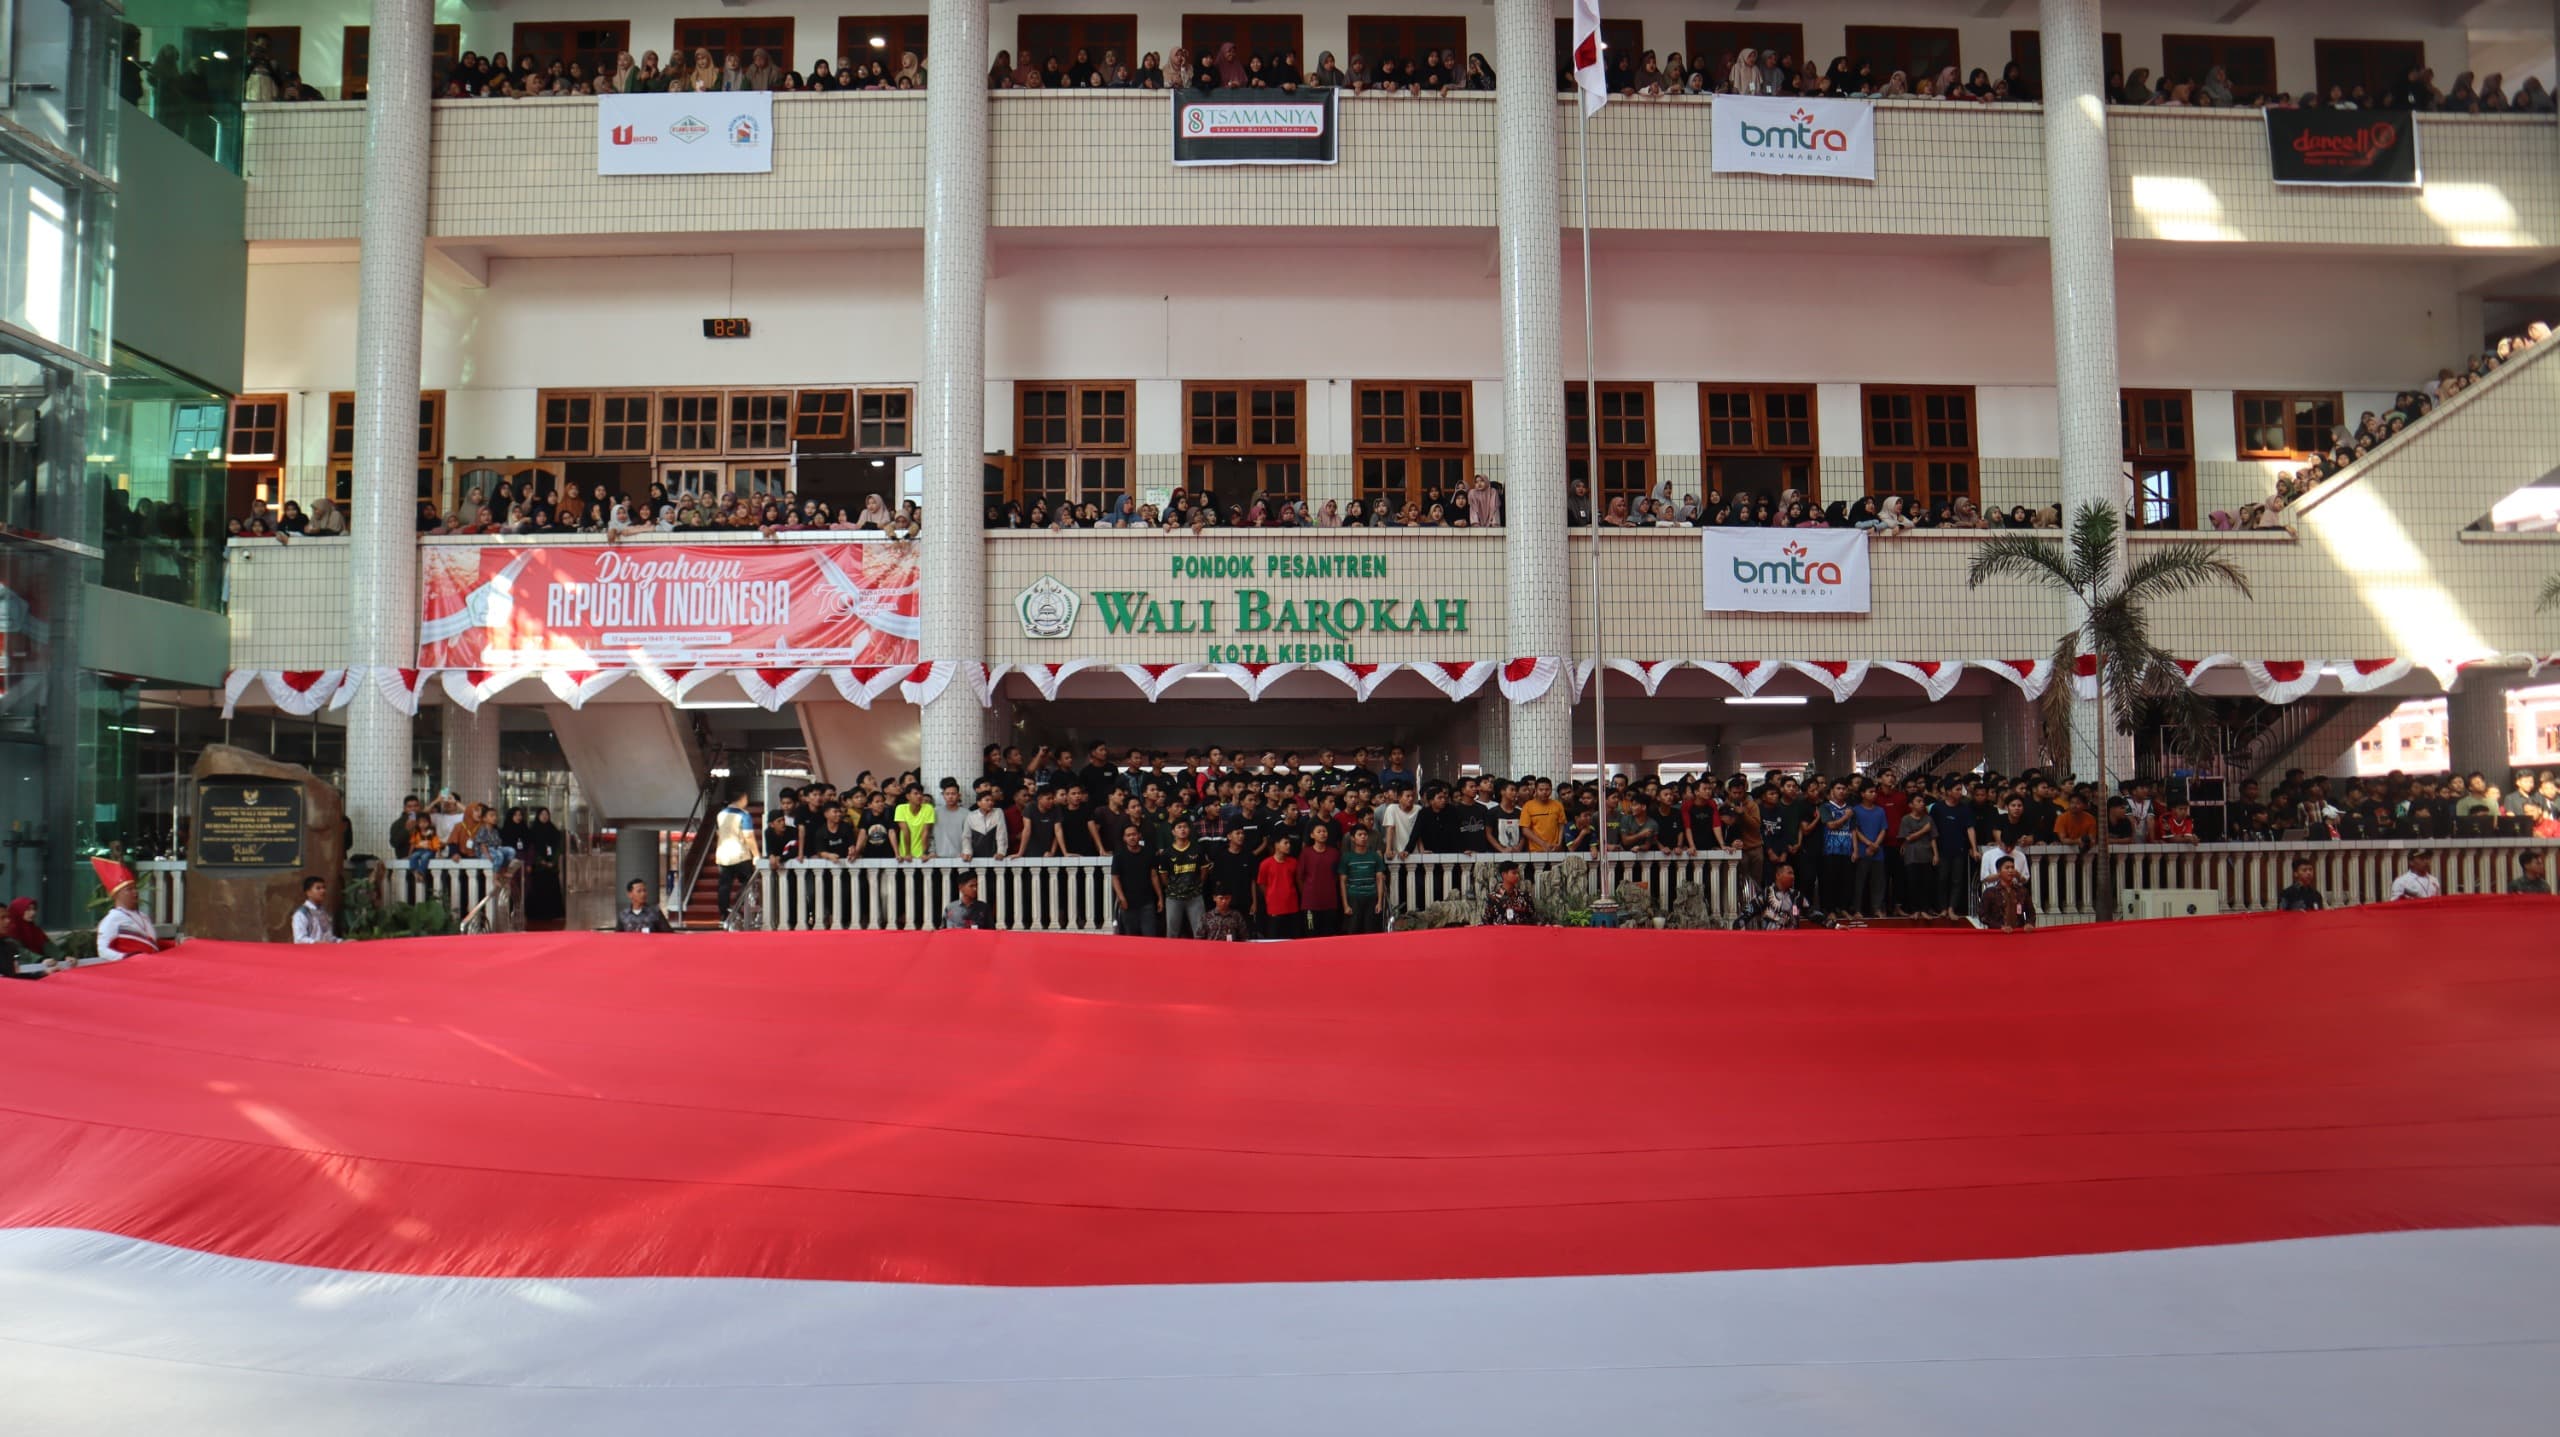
{"x":860,"y":686}
{"x":301,"y":692}
{"x":1649,"y":673}
{"x":1527,"y":680}
{"x":2030,"y":675}
{"x":234,"y":684}
{"x":1583,"y":669}
{"x":1361,"y":679}
{"x":468,"y":689}
{"x":1746,"y":677}
{"x":1841,"y":677}
{"x":1153,"y":679}
{"x":1458,"y":681}
{"x":770,"y":689}
{"x":2084,"y":677}
{"x":2363,"y":676}
{"x":1936,"y":677}
{"x":2448,"y":670}
{"x":575,"y":686}
{"x":1253,"y":678}
{"x":668,"y":683}
{"x":926,"y":681}
{"x":2193,"y":669}
{"x":2281,"y":681}
{"x":1047,"y":677}
{"x":399,"y":688}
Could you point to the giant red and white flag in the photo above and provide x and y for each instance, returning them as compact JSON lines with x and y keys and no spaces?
{"x":1589,"y":52}
{"x":2294,"y":1174}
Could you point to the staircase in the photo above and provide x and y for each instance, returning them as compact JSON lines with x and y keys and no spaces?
{"x":2308,"y":734}
{"x":702,"y":905}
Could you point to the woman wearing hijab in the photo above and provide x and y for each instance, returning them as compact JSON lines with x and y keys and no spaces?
{"x":1889,"y":518}
{"x":1896,"y":88}
{"x":19,"y":928}
{"x":1842,"y":80}
{"x":1231,"y":70}
{"x":1744,"y":77}
{"x":2022,"y":87}
{"x":2137,"y":88}
{"x":910,"y":71}
{"x":1000,"y":74}
{"x":2217,"y":87}
{"x":1028,"y":75}
{"x":2493,"y":95}
{"x":543,"y":846}
{"x":1328,"y":73}
{"x":875,"y":513}
{"x":1479,"y":73}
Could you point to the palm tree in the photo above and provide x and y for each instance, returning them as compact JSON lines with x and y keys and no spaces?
{"x":2132,"y":671}
{"x":2550,"y":597}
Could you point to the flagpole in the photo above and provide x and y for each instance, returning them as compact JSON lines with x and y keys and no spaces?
{"x":1606,"y":900}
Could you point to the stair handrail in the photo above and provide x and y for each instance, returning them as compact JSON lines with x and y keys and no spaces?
{"x":2329,"y":488}
{"x":699,"y":829}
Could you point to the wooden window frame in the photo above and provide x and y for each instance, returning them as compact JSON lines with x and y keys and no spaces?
{"x":1363,"y":31}
{"x":737,"y":415}
{"x":663,"y":443}
{"x":2219,"y":50}
{"x":2026,"y":51}
{"x":341,"y":441}
{"x":444,"y":52}
{"x":2142,"y":456}
{"x":590,"y":57}
{"x":1116,"y":32}
{"x":1891,"y":47}
{"x":822,"y":416}
{"x":1073,"y":452}
{"x":2292,"y":401}
{"x":646,"y":423}
{"x":738,"y":476}
{"x":1799,"y":465}
{"x":1925,"y":489}
{"x":1719,"y":38}
{"x":543,"y":424}
{"x":2330,"y":57}
{"x":905,"y":423}
{"x":1416,"y":456}
{"x":1278,"y":464}
{"x":733,"y":43}
{"x":283,"y":431}
{"x":903,"y":32}
{"x":1217,"y":26}
{"x":1618,"y":453}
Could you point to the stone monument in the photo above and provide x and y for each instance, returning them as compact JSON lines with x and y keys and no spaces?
{"x":259,"y":827}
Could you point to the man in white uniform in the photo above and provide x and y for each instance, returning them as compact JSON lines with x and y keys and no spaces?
{"x":125,"y":932}
{"x":2420,"y":880}
{"x":311,"y":921}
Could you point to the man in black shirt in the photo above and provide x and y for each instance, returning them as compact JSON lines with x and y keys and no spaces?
{"x":834,"y":839}
{"x":1232,"y":868}
{"x":1255,"y":827}
{"x":1435,"y":829}
{"x":1137,"y":886}
{"x":1474,"y":826}
{"x":1040,"y":826}
{"x":1098,"y":777}
{"x":1077,"y":829}
{"x":2302,"y":895}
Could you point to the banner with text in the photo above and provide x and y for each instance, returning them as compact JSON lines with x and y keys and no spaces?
{"x":1787,"y":571}
{"x":724,"y":134}
{"x":2343,"y":147}
{"x":585,"y":608}
{"x":1775,"y":136}
{"x":1273,"y":129}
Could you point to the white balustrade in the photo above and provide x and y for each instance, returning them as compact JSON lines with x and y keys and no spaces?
{"x":164,"y":893}
{"x":458,"y":883}
{"x":2249,"y":876}
{"x":1052,"y":895}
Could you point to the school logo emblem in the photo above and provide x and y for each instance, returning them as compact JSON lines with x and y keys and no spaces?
{"x":1048,"y":609}
{"x":688,"y":130}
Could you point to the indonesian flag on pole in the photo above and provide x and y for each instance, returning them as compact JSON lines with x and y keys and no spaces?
{"x":2277,"y":1174}
{"x":1588,"y":52}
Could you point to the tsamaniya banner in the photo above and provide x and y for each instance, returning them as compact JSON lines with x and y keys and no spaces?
{"x":1775,"y":136}
{"x":1786,"y":571}
{"x":587,"y":607}
{"x":726,"y":134}
{"x":2343,"y":147}
{"x":1276,"y":129}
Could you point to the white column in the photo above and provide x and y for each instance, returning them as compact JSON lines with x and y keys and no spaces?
{"x":391,"y":273}
{"x":470,"y":766}
{"x":954,"y":392}
{"x":1538,"y":586}
{"x":2082,"y":224}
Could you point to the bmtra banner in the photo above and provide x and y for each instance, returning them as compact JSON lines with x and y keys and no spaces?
{"x":1777,"y":136}
{"x":1217,"y":129}
{"x":725,"y":134}
{"x":1786,"y":571}
{"x":583,"y":608}
{"x":2343,"y":147}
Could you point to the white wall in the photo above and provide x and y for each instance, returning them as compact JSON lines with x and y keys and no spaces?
{"x":1985,"y":42}
{"x":1162,"y":314}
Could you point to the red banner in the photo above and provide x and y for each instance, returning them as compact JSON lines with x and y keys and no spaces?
{"x":581,"y":607}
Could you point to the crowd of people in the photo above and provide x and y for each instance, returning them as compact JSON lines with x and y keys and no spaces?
{"x":523,"y":849}
{"x":531,"y":506}
{"x":2347,"y":446}
{"x":1296,"y":848}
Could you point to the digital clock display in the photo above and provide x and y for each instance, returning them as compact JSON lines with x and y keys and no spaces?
{"x":724,"y":329}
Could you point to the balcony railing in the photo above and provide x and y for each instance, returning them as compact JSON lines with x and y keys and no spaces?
{"x":1098,"y":160}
